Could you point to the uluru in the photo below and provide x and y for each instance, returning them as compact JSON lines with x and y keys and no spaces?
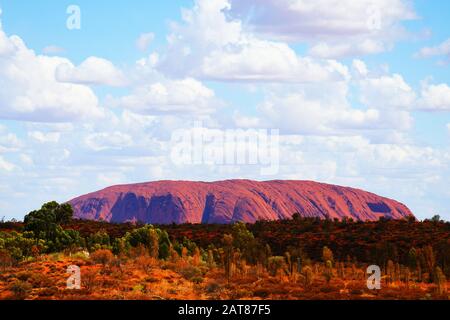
{"x":223,"y":202}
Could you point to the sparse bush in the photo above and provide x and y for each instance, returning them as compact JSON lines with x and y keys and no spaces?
{"x":308,"y":275}
{"x":276,"y":264}
{"x":21,"y":245}
{"x":139,"y":288}
{"x":440,"y":281}
{"x":39,"y":280}
{"x":213,"y":287}
{"x":6,"y":261}
{"x":24,"y":276}
{"x":227,"y":254}
{"x":196,"y":257}
{"x":197,"y":280}
{"x":81,"y":255}
{"x":191,"y":273}
{"x":262,"y":293}
{"x":210,"y":259}
{"x":244,"y":240}
{"x":150,"y":238}
{"x":145,"y":263}
{"x":99,"y":240}
{"x":48,"y":292}
{"x":89,"y":280}
{"x":327,"y":255}
{"x":328,"y":273}
{"x":20,"y":289}
{"x":103,"y":257}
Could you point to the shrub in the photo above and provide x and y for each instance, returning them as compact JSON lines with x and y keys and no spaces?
{"x":140,"y":288}
{"x":307,"y":274}
{"x":192,"y":273}
{"x":40,"y":280}
{"x":327,"y":255}
{"x":145,"y":263}
{"x":98,"y":240}
{"x":197,"y":280}
{"x":6,"y":261}
{"x":164,"y":251}
{"x":103,"y":257}
{"x":146,"y":236}
{"x":276,"y":264}
{"x":212,"y":287}
{"x":245,"y":241}
{"x":20,"y":289}
{"x":328,"y":273}
{"x":89,"y":280}
{"x":80,"y":255}
{"x":49,"y":291}
{"x":24,"y":275}
{"x":261,"y":293}
{"x":21,"y":245}
{"x":440,"y":281}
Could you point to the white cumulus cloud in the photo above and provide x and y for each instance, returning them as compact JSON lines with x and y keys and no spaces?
{"x":333,"y":28}
{"x":30,"y":91}
{"x":170,"y":96}
{"x":92,"y":71}
{"x":387,"y":91}
{"x":210,"y":45}
{"x":435,"y":97}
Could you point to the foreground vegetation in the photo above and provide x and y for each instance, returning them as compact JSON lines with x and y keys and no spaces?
{"x":291,"y":259}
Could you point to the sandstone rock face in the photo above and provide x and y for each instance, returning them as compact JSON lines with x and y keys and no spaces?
{"x":166,"y":202}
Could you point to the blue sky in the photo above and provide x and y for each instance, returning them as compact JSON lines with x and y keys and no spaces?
{"x":360,"y":93}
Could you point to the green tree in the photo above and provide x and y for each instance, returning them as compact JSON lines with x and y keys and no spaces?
{"x":44,"y":222}
{"x":64,"y":239}
{"x":436,"y":218}
{"x":50,"y":212}
{"x":150,"y":238}
{"x":164,"y":244}
{"x":244,"y":240}
{"x":99,"y":240}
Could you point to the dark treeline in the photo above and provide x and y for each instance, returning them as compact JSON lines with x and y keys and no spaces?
{"x":407,"y":242}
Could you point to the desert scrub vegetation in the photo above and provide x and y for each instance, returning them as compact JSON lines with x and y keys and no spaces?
{"x":292,"y":259}
{"x":20,"y":289}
